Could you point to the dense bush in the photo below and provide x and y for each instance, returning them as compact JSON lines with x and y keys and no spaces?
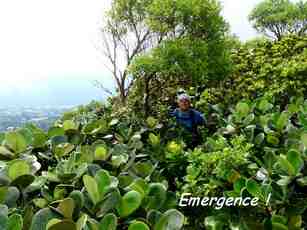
{"x":263,"y":68}
{"x":92,"y":170}
{"x":88,"y":171}
{"x":259,"y":150}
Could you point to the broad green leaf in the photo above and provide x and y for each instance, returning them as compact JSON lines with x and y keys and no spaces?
{"x":295,"y":222}
{"x":12,"y":196}
{"x":156,"y":196}
{"x":278,"y":226}
{"x":23,"y":181}
{"x":304,"y":139}
{"x":249,"y":119}
{"x":18,"y":168}
{"x":151,"y":122}
{"x":254,"y":188}
{"x":294,"y":157}
{"x":125,"y":180}
{"x":154,"y":140}
{"x":78,"y":198}
{"x":119,"y":160}
{"x":5,"y":154}
{"x":259,"y":139}
{"x":63,"y":225}
{"x":3,"y":191}
{"x":39,"y":139}
{"x":82,"y":222}
{"x":41,"y":219}
{"x":92,"y":224}
{"x":92,"y":188}
{"x":130,"y":202}
{"x":174,"y":147}
{"x":282,"y":121}
{"x":109,"y":222}
{"x":15,"y":141}
{"x":63,"y":149}
{"x":239,"y":184}
{"x":140,"y":186}
{"x":3,"y":216}
{"x":66,"y":207}
{"x":101,"y":153}
{"x":53,"y":222}
{"x":4,"y":180}
{"x":40,"y":202}
{"x":269,"y":160}
{"x":264,"y":105}
{"x":170,"y":201}
{"x":103,"y":180}
{"x":69,"y":125}
{"x":279,"y":219}
{"x":143,"y":169}
{"x":242,"y":109}
{"x":153,"y":217}
{"x":138,"y":225}
{"x":272,"y":140}
{"x":15,"y":222}
{"x":56,"y":131}
{"x":170,"y":220}
{"x":111,"y":200}
{"x":286,"y":165}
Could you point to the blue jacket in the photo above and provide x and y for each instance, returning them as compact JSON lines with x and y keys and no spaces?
{"x":190,"y":119}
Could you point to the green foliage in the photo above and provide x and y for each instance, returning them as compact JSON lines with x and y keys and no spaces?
{"x":138,"y":226}
{"x":130,"y":173}
{"x":66,"y":182}
{"x":258,"y":150}
{"x":266,"y":68}
{"x":221,"y":165}
{"x":109,"y":222}
{"x":196,"y":27}
{"x":280,"y":17}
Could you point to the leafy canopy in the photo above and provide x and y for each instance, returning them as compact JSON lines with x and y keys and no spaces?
{"x":280,"y":17}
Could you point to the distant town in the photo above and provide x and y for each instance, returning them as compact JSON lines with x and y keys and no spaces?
{"x":13,"y":117}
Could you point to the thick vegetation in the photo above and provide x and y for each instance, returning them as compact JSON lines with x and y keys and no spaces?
{"x":88,"y":171}
{"x":124,"y":166}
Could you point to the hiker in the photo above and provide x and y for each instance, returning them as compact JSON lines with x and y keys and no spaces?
{"x":189,"y":118}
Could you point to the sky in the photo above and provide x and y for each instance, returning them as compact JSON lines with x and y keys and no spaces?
{"x":48,"y":49}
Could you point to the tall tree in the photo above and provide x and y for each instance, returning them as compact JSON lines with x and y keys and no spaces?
{"x":126,"y":35}
{"x":276,"y":18}
{"x":193,"y":52}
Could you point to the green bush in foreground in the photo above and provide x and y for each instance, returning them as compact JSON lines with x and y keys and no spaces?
{"x":86,"y":172}
{"x":260,"y":152}
{"x":93,"y":170}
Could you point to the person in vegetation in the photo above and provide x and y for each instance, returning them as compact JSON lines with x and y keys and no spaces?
{"x":189,"y":118}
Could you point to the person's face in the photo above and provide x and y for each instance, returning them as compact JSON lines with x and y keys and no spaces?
{"x":184,"y":105}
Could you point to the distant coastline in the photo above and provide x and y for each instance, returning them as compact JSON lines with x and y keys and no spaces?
{"x":14,"y":117}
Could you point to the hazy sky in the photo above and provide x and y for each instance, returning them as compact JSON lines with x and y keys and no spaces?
{"x":55,"y":39}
